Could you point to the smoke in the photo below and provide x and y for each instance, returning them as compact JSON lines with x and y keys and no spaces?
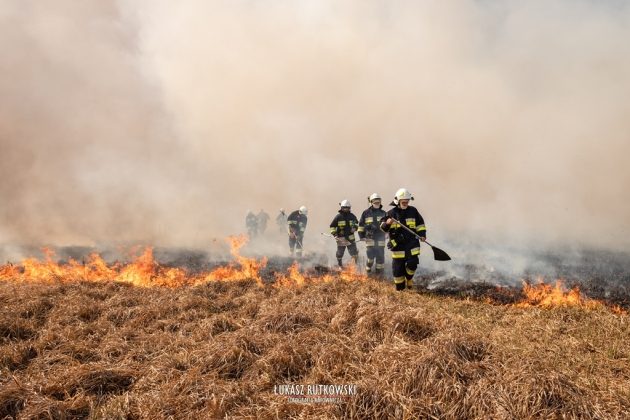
{"x":162,"y":122}
{"x":82,"y":139}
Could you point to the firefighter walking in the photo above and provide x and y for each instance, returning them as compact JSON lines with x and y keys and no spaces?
{"x":343,"y":227}
{"x":251,"y":222}
{"x":297,"y":225}
{"x":370,"y":230}
{"x":405,"y":247}
{"x":281,"y":221}
{"x":262,"y":218}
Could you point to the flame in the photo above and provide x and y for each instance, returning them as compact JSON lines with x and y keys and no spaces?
{"x":244,"y":269}
{"x":295,"y":278}
{"x":145,"y":271}
{"x":618,"y":310}
{"x":351,"y":273}
{"x":547,"y":296}
{"x":9,"y":271}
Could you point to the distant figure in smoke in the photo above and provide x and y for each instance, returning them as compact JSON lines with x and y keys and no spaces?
{"x":251,"y":222}
{"x":342,"y":228}
{"x":370,"y":230}
{"x":405,"y":247}
{"x":281,"y":221}
{"x":263,"y":218}
{"x":297,"y":225}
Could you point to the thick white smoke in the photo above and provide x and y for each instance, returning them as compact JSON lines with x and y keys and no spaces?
{"x":163,"y":122}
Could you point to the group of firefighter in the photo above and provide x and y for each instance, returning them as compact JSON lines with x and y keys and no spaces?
{"x":256,"y":224}
{"x":401,"y":229}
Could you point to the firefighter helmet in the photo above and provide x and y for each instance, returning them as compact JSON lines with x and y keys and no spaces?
{"x":374,"y":196}
{"x":402,"y":194}
{"x":345,"y":203}
{"x":303,"y":210}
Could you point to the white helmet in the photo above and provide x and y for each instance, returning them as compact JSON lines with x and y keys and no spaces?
{"x":281,"y":210}
{"x":402,"y":194}
{"x":374,"y":196}
{"x":303,"y":210}
{"x":345,"y":203}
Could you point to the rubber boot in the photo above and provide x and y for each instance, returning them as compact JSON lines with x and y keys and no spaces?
{"x":369,"y":265}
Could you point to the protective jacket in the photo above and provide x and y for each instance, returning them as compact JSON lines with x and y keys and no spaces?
{"x":401,"y":242}
{"x":344,"y":225}
{"x":297,"y":223}
{"x":369,"y":226}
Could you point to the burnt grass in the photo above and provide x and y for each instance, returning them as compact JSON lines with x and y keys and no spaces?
{"x":110,"y":350}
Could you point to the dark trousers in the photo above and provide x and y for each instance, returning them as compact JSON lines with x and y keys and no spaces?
{"x":375,"y":253}
{"x":403,"y":270}
{"x":296,"y":244}
{"x":352,"y":250}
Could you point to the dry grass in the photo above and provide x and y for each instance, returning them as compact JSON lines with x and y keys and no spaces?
{"x":95,"y":350}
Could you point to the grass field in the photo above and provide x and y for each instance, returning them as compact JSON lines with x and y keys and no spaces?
{"x":114,"y":350}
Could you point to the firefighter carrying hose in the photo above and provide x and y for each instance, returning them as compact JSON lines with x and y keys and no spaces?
{"x":342,"y":228}
{"x":405,"y":247}
{"x":297,"y":225}
{"x":370,"y":230}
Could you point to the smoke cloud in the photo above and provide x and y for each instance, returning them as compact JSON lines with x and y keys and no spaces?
{"x":163,"y":122}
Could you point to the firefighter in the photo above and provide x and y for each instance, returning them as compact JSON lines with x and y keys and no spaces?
{"x":251,"y":222}
{"x":404,"y":246}
{"x":281,"y":220}
{"x":342,"y":228}
{"x":297,"y":225}
{"x":262,"y":219}
{"x":370,"y":230}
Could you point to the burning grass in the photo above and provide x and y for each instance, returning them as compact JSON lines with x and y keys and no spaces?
{"x":107,"y":349}
{"x":143,"y":270}
{"x":140,"y":340}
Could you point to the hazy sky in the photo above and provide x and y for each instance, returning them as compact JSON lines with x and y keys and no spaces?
{"x":164,"y":122}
